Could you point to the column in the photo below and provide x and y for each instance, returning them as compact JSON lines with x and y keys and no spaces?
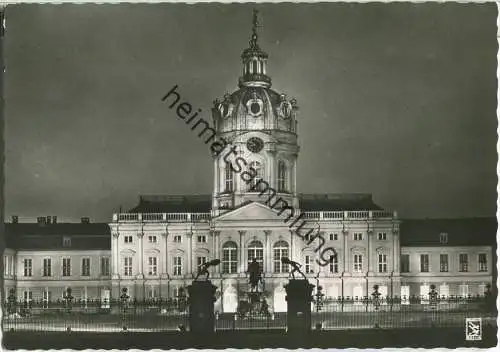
{"x":346,"y":255}
{"x":292,"y":246}
{"x":164,"y":259}
{"x":164,"y":277}
{"x":369,"y":256}
{"x":189,"y":253}
{"x":217,"y":249}
{"x":396,"y":251}
{"x":140,"y":237}
{"x":267,"y":253}
{"x":242,"y":253}
{"x":115,"y":256}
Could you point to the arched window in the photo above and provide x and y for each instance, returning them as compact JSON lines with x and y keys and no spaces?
{"x":254,"y":185}
{"x":228,"y":180}
{"x":229,"y":258}
{"x":255,"y":70}
{"x":282,"y":176}
{"x":256,"y":250}
{"x":280,"y":251}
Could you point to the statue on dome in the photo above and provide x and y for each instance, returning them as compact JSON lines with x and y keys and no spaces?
{"x":285,"y":107}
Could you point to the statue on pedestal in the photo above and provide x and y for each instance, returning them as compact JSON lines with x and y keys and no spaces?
{"x":255,"y":275}
{"x":295,"y":267}
{"x":203,"y":268}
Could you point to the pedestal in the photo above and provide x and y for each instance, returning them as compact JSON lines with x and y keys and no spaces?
{"x":299,"y":298}
{"x":201,"y":307}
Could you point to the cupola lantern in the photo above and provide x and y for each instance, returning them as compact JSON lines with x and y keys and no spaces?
{"x":254,"y":61}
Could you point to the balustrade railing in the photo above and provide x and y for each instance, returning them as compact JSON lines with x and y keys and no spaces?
{"x":201,"y":217}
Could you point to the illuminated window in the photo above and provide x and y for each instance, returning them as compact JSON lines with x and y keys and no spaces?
{"x":229,"y":258}
{"x":358,"y":263}
{"x":66,"y":267}
{"x":256,"y":250}
{"x":382,"y":263}
{"x":483,"y":264}
{"x":280,"y":251}
{"x":463,"y":262}
{"x":127,"y":266}
{"x":228,"y":177}
{"x":85,"y":266}
{"x":424,"y":263}
{"x":443,"y":263}
{"x":308,"y":265}
{"x":255,"y":185}
{"x":177,"y":266}
{"x":334,"y":264}
{"x":152,"y":266}
{"x":282,"y":184}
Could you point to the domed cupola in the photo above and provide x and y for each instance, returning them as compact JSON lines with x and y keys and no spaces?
{"x":254,"y":62}
{"x":259,"y":127}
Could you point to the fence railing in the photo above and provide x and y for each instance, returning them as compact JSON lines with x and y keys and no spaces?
{"x":165,"y":315}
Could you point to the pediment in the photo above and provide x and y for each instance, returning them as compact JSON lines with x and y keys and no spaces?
{"x":251,"y":211}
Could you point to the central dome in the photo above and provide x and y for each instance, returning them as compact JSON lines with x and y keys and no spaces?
{"x":255,"y":107}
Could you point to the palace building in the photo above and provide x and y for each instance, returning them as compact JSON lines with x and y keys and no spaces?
{"x":154,"y":249}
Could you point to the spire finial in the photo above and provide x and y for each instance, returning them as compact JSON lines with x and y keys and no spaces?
{"x":255,"y":22}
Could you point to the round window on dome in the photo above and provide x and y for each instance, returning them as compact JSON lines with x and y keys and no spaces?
{"x":255,"y":108}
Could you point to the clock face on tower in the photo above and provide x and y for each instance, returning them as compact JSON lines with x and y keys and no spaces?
{"x":255,"y":144}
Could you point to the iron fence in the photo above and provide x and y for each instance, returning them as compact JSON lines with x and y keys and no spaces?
{"x":168,"y":315}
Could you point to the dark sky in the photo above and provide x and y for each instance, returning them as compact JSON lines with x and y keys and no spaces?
{"x":397,"y":100}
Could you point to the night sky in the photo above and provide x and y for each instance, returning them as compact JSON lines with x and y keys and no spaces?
{"x":397,"y":100}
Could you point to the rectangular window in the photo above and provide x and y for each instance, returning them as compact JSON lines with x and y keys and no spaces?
{"x":463,"y":290}
{"x":463,"y":259}
{"x":177,"y":238}
{"x":358,"y":263}
{"x":177,"y":266}
{"x":5,"y":265}
{"x":105,"y":266}
{"x":202,"y":239}
{"x":46,"y":298}
{"x":152,"y":239}
{"x":358,"y":236}
{"x":443,"y":263}
{"x":127,"y":266}
{"x":405,"y":263}
{"x":66,"y":241}
{"x":229,"y":260}
{"x":28,"y":267}
{"x":334,"y":264}
{"x":308,"y":262}
{"x":47,"y":267}
{"x":28,"y":296}
{"x":424,"y":263}
{"x":152,"y":292}
{"x":279,"y":266}
{"x":382,"y":263}
{"x":483,"y":264}
{"x":334,"y":237}
{"x":200,"y":261}
{"x":66,"y":267}
{"x":153,"y":266}
{"x":128,"y":239}
{"x":228,"y":178}
{"x":85,"y":266}
{"x":382,"y":236}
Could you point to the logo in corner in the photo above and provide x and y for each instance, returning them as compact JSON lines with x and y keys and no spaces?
{"x":473,"y":329}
